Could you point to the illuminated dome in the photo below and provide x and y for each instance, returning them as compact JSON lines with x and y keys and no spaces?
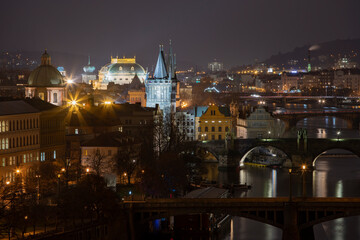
{"x":89,"y":68}
{"x":45,"y":75}
{"x":121,"y":71}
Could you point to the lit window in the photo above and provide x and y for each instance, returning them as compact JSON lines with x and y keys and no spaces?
{"x":42,"y":156}
{"x":54,"y":154}
{"x":76,"y":131}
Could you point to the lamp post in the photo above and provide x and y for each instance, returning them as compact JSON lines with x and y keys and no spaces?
{"x":290,"y":185}
{"x":269,"y":132}
{"x":303,"y":169}
{"x":338,"y":134}
{"x":38,"y":189}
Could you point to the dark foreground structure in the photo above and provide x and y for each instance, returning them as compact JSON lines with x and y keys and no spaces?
{"x":296,"y":217}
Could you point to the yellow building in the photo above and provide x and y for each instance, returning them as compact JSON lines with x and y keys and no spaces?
{"x":214,"y":124}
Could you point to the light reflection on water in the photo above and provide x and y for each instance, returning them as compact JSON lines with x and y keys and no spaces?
{"x":333,"y":177}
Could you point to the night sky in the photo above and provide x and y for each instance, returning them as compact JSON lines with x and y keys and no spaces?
{"x":233,"y":31}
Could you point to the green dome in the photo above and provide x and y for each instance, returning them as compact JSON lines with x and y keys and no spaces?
{"x":46,"y":75}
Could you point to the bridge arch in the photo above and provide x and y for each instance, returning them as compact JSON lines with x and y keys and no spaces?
{"x":251,"y":149}
{"x":333,"y":148}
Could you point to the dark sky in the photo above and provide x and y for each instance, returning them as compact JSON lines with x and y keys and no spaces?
{"x":234,"y":31}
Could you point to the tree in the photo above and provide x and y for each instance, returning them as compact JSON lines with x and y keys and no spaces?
{"x":98,"y":163}
{"x":126,"y":162}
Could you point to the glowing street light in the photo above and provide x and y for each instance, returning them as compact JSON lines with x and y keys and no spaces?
{"x":70,"y":81}
{"x":73,"y":102}
{"x":338,"y":135}
{"x":107,"y":102}
{"x":17,"y":171}
{"x":87,"y":170}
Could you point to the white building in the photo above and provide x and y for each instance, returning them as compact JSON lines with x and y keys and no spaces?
{"x":119,"y":71}
{"x":260,"y":124}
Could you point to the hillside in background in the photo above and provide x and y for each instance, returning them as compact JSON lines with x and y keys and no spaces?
{"x":324,"y":55}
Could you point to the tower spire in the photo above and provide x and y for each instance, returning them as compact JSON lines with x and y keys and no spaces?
{"x":160,"y":69}
{"x":89,"y":60}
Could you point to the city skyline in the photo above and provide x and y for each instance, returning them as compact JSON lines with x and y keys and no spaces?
{"x":233,"y":32}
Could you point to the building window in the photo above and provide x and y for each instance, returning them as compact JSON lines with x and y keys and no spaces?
{"x":54,"y":154}
{"x":3,"y":162}
{"x":76,"y":131}
{"x":121,"y":129}
{"x":226,"y":129}
{"x":24,"y":158}
{"x":213,"y":129}
{"x":86,"y":152}
{"x":199,"y":129}
{"x":132,"y":69}
{"x":220,"y":129}
{"x":212,"y":137}
{"x":206,"y":129}
{"x":55,"y":100}
{"x":42,"y":156}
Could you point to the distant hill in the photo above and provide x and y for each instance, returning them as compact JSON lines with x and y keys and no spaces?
{"x":324,"y":55}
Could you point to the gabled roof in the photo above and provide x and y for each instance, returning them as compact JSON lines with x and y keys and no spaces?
{"x":225,"y":111}
{"x":160,"y":69}
{"x":200,"y":110}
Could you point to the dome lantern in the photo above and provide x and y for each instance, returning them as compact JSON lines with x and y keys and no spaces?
{"x":45,"y":58}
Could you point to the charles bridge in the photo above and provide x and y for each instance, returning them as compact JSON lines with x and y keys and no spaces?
{"x":232,"y":153}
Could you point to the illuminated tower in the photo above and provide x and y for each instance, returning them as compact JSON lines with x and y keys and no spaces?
{"x":162,"y":87}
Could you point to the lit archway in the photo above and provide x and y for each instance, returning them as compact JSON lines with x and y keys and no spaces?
{"x":279,"y":153}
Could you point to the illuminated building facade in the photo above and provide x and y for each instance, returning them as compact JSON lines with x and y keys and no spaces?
{"x":31,"y":130}
{"x":119,"y":71}
{"x":260,"y":124}
{"x":215,"y":123}
{"x":46,"y":83}
{"x":89,"y":73}
{"x":216,"y":66}
{"x":162,"y":88}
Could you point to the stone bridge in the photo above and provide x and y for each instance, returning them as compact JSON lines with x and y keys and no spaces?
{"x":299,"y":151}
{"x":296,"y":217}
{"x":290,"y":119}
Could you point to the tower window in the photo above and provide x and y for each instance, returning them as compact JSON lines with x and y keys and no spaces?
{"x":55,"y":100}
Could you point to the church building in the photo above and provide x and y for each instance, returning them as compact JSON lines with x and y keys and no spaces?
{"x":46,"y":83}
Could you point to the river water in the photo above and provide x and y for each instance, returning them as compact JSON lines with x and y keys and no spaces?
{"x":337,"y":174}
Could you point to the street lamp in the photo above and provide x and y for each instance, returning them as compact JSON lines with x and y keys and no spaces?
{"x":269,"y":132}
{"x":303,"y":167}
{"x":338,"y":134}
{"x":290,"y":185}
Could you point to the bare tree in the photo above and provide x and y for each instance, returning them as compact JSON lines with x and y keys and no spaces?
{"x":99,"y":163}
